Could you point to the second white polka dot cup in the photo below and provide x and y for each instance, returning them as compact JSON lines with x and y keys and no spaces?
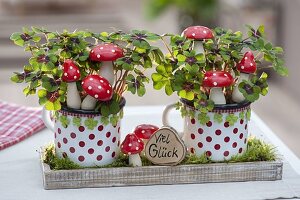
{"x":218,"y":138}
{"x":80,"y":136}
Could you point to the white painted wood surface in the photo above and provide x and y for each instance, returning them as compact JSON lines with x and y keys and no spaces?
{"x":21,"y":176}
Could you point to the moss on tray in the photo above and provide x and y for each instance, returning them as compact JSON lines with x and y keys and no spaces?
{"x":257,"y":150}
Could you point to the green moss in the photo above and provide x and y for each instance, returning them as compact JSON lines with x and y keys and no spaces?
{"x":257,"y":150}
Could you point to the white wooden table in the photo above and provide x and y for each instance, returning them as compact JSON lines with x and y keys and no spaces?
{"x":20,"y":173}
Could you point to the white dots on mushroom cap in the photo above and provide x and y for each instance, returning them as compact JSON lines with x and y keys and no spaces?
{"x":226,"y":75}
{"x":99,"y":87}
{"x":115,"y":46}
{"x":90,"y":87}
{"x":129,"y":153}
{"x":204,"y":31}
{"x":113,"y":50}
{"x":91,"y":79}
{"x":136,"y":148}
{"x":92,"y":51}
{"x":205,"y":78}
{"x":105,"y":44}
{"x":143,"y":131}
{"x":98,"y":55}
{"x":193,"y":34}
{"x":77,"y":71}
{"x":130,"y":144}
{"x":251,"y":64}
{"x":242,"y":67}
{"x":75,"y":77}
{"x":139,"y":140}
{"x":215,"y":83}
{"x":82,"y":83}
{"x":71,"y":67}
{"x":214,"y":74}
{"x":101,"y":81}
{"x":101,"y":47}
{"x":246,"y":58}
{"x":65,"y":74}
{"x":96,"y":96}
{"x":108,"y":91}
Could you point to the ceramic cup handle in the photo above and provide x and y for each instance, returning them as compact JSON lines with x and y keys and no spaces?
{"x":46,"y":117}
{"x":165,"y":117}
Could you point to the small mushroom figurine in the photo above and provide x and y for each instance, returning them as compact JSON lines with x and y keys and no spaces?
{"x":216,"y":80}
{"x":246,"y":67}
{"x":198,"y":34}
{"x":106,"y":53}
{"x":97,"y":88}
{"x":132,"y":146}
{"x":144,"y":131}
{"x":70,"y":75}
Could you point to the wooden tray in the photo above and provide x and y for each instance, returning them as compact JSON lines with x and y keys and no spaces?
{"x":161,"y":175}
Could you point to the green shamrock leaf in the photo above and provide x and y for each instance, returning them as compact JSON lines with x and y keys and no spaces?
{"x":242,"y":115}
{"x":90,"y":123}
{"x":232,"y":119}
{"x":203,"y":118}
{"x":248,"y":114}
{"x":64,"y":121}
{"x":218,"y":118}
{"x":77,"y":121}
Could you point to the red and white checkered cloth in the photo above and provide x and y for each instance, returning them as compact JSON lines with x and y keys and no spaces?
{"x":17,"y":123}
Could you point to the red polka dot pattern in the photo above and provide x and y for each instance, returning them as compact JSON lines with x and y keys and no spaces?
{"x":59,"y":131}
{"x":99,"y":143}
{"x":91,"y":136}
{"x":217,"y":147}
{"x":218,"y":140}
{"x":193,"y":136}
{"x":72,"y":149}
{"x":208,"y":139}
{"x":200,"y":130}
{"x":65,"y":140}
{"x":58,"y":144}
{"x":193,"y":121}
{"x":209,"y":124}
{"x":113,"y":154}
{"x":91,"y":151}
{"x":64,"y":154}
{"x":240,"y":150}
{"x":99,"y":157}
{"x":73,"y":135}
{"x":81,"y":158}
{"x":226,"y":139}
{"x":81,"y":128}
{"x":114,"y":139}
{"x":107,"y":148}
{"x":218,"y":132}
{"x":100,"y":128}
{"x":81,"y":143}
{"x":108,"y":134}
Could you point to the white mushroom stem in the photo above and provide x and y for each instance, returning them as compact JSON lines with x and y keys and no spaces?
{"x":88,"y":103}
{"x":73,"y":97}
{"x":198,"y":47}
{"x":107,"y":71}
{"x":217,"y":96}
{"x":237,"y":96}
{"x":135,"y":160}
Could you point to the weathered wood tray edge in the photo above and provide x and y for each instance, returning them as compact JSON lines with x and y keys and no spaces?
{"x":161,"y":175}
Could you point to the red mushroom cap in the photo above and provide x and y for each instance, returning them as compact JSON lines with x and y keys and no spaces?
{"x":70,"y":71}
{"x":97,"y":87}
{"x":198,"y":33}
{"x":217,"y":79}
{"x":247,"y":64}
{"x":144,"y":131}
{"x":106,"y":52}
{"x":132,"y":144}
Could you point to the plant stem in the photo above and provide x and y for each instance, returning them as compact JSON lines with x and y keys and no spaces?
{"x":168,"y":48}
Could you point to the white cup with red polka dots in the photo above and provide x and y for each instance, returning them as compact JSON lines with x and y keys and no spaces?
{"x":83,"y":138}
{"x":220,"y":140}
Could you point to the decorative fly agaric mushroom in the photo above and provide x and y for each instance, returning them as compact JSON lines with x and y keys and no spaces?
{"x":144,"y":131}
{"x":97,"y":88}
{"x":216,"y":80}
{"x":70,"y":75}
{"x":132,"y":146}
{"x":198,"y":34}
{"x":246,"y":67}
{"x":106,"y":53}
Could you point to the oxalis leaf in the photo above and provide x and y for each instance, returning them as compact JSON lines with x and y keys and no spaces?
{"x":77,"y":121}
{"x":90,"y":123}
{"x":203,"y":118}
{"x":218,"y":118}
{"x":231,"y":119}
